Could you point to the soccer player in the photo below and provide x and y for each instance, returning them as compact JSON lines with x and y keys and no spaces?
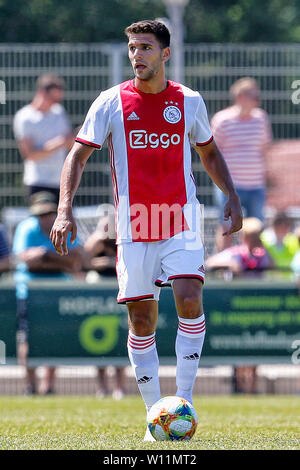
{"x":150,"y":123}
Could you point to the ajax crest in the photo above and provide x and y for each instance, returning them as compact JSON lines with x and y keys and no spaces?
{"x":172,"y":114}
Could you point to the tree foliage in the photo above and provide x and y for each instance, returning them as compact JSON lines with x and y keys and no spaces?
{"x":105,"y":20}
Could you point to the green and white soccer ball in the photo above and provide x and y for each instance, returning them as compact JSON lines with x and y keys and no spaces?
{"x":172,"y":419}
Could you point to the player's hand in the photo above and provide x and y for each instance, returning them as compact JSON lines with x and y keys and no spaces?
{"x":233,"y":210}
{"x":63,"y":225}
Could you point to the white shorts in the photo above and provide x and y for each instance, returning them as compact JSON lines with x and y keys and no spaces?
{"x":144,"y":267}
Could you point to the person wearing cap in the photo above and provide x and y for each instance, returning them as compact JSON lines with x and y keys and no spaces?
{"x":248,"y":257}
{"x":43,"y":132}
{"x":36,"y":259}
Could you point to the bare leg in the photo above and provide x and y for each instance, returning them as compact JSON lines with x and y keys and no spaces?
{"x":188,"y":297}
{"x":119,"y":388}
{"x":22,"y":354}
{"x":142,"y":317}
{"x":48,"y":381}
{"x":102,"y":389}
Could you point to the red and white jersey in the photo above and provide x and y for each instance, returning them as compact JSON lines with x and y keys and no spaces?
{"x":149,"y":138}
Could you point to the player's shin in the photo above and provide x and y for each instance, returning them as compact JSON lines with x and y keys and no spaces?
{"x":144,"y":360}
{"x":189,"y":342}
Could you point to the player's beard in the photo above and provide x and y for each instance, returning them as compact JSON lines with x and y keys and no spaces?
{"x":150,"y":72}
{"x":148,"y":75}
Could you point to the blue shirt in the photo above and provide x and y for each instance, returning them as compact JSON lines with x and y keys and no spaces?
{"x":29,"y":234}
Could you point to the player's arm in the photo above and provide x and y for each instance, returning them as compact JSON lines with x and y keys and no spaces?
{"x":70,"y":179}
{"x":217,"y":169}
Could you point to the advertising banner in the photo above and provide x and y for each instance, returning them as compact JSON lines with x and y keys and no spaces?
{"x":68,"y":323}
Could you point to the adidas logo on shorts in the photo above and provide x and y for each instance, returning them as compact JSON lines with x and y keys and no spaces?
{"x":201,"y":269}
{"x":144,"y":380}
{"x":133,"y":117}
{"x":192,"y":357}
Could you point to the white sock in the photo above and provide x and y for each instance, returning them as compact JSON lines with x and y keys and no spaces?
{"x":144,"y":360}
{"x":189,"y":342}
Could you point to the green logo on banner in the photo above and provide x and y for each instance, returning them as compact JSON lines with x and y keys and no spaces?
{"x":108,"y":327}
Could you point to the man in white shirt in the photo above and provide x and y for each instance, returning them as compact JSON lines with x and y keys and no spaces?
{"x":43,"y":132}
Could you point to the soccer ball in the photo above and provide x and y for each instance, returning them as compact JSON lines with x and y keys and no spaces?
{"x":172,"y":419}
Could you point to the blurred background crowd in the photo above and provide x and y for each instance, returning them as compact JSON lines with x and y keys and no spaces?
{"x":248,"y":88}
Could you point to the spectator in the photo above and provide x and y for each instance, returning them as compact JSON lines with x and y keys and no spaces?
{"x":249,"y":256}
{"x":4,"y":251}
{"x":36,"y":259}
{"x":43,"y":132}
{"x":101,"y":250}
{"x":244,"y":379}
{"x":280,"y":242}
{"x":242,"y":133}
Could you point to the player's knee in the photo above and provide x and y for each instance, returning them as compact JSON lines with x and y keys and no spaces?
{"x":191,"y":307}
{"x":141,"y":325}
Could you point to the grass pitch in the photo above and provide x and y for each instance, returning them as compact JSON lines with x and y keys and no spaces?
{"x":225,"y":422}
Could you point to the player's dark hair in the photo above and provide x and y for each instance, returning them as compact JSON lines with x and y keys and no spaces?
{"x":158,"y":29}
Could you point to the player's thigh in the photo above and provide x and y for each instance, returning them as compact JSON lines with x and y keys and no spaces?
{"x":138,"y":267}
{"x":142,"y":317}
{"x":188,"y":297}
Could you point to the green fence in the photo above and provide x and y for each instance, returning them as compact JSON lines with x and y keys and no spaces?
{"x":247,"y":322}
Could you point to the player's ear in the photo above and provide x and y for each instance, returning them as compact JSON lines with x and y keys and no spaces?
{"x":166,"y":52}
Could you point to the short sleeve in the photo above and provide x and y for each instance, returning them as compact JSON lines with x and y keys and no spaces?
{"x":96,"y":126}
{"x":201,"y":133}
{"x":24,"y":236}
{"x":217,"y":130}
{"x":21,"y":127}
